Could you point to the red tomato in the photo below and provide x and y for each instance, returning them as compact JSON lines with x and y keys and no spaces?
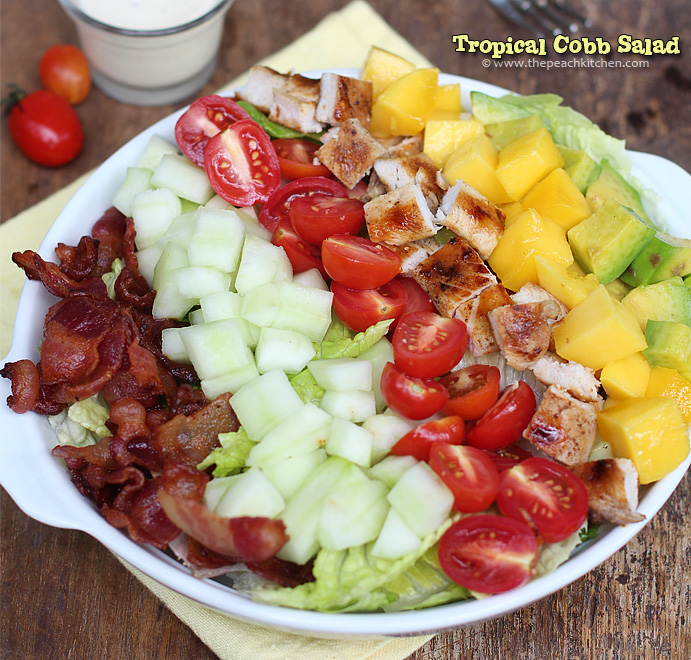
{"x":241,"y":164}
{"x":427,"y":345}
{"x":546,"y":495}
{"x":414,"y":398}
{"x":46,"y":128}
{"x":359,"y":263}
{"x":296,"y":158}
{"x":205,"y":118}
{"x":319,"y":216}
{"x":506,"y":420}
{"x":472,"y":390}
{"x":64,"y":70}
{"x":418,"y":300}
{"x":417,"y":443}
{"x":302,"y":255}
{"x":361,"y":308}
{"x":489,"y":554}
{"x":468,"y":472}
{"x":505,"y":459}
{"x":278,"y":205}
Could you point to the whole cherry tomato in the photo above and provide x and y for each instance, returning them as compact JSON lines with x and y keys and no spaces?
{"x":65,"y":71}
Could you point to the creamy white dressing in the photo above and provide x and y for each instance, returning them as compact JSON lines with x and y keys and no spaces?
{"x":145,"y":14}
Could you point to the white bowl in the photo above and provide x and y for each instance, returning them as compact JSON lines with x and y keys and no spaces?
{"x":41,"y":486}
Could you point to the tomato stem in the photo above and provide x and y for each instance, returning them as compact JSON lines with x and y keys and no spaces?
{"x":14,"y":97}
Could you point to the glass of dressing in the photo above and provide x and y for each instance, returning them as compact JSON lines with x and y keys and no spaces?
{"x":149,"y":52}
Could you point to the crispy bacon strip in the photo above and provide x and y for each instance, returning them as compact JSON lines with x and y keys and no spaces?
{"x":78,"y":262}
{"x":25,"y":385}
{"x":109,"y":231}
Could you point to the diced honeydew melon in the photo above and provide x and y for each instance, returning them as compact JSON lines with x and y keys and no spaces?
{"x":216,"y":489}
{"x":301,"y":432}
{"x":264,"y":403}
{"x":387,"y":430}
{"x":199,"y":281}
{"x":217,"y":202}
{"x":303,"y":510}
{"x":146,"y":262}
{"x":391,"y":468}
{"x":260,"y":305}
{"x":290,"y":474}
{"x":311,"y":278}
{"x":217,"y":348}
{"x":172,"y":257}
{"x":248,"y":216}
{"x":261,"y":262}
{"x":230,"y":382}
{"x":342,"y":374}
{"x":184,"y":178}
{"x":169,"y":303}
{"x":304,"y":310}
{"x":422,"y":499}
{"x":353,"y":514}
{"x":173,"y":346}
{"x":153,"y":212}
{"x":181,"y":230}
{"x":196,"y":317}
{"x":217,"y":240}
{"x":137,"y":180}
{"x":283,"y":349}
{"x":378,"y":355}
{"x":354,"y":405}
{"x":350,"y":441}
{"x":187,"y":206}
{"x":221,"y":305}
{"x":395,"y":538}
{"x":155,"y":149}
{"x":251,"y":495}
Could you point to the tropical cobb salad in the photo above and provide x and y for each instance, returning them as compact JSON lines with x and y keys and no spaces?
{"x":348,"y":346}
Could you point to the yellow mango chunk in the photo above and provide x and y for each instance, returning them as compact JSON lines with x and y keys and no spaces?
{"x":597,"y":331}
{"x":627,"y":378}
{"x":448,"y":99}
{"x":618,"y":290}
{"x":511,"y":210}
{"x":670,"y":383}
{"x":651,"y":432}
{"x":406,"y":105}
{"x":382,"y":68}
{"x":566,"y":286}
{"x":527,"y":160}
{"x":444,"y":136}
{"x":528,"y":236}
{"x":474,"y":163}
{"x":558,"y":198}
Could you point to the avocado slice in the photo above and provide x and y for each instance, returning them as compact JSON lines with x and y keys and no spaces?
{"x":668,"y":300}
{"x":669,"y":345}
{"x":582,"y":169}
{"x":607,"y":242}
{"x":611,"y":184}
{"x":503,"y":132}
{"x":664,"y":257}
{"x":491,"y":110}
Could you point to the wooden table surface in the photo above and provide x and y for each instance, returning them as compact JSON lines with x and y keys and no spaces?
{"x":64,"y":596}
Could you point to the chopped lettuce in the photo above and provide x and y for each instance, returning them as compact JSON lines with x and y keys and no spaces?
{"x":553,"y":555}
{"x":112,"y":275}
{"x":306,"y":386}
{"x":352,"y":347}
{"x":82,"y":423}
{"x":231,"y":456}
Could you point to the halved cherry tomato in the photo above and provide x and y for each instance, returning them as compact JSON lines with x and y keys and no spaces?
{"x":468,"y":472}
{"x":206,"y":117}
{"x":241,"y":164}
{"x":278,"y":205}
{"x":418,"y":300}
{"x":489,"y":554}
{"x":64,"y":70}
{"x":472,"y":390}
{"x":427,"y":345}
{"x":546,"y":495}
{"x":506,"y":420}
{"x":419,"y":441}
{"x":319,"y":216}
{"x":361,"y":308}
{"x":296,"y":158}
{"x":414,"y":398}
{"x":301,"y":254}
{"x":505,"y":459}
{"x":359,"y":263}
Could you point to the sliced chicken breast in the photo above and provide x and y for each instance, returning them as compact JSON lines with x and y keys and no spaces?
{"x":342,"y":98}
{"x":522,"y":334}
{"x":475,"y":313}
{"x":576,"y":379}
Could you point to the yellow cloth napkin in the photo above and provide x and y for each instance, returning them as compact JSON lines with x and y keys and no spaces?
{"x":341,"y":39}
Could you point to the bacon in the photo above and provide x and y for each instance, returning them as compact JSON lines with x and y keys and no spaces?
{"x":109,"y":231}
{"x":282,"y":572}
{"x":130,"y":287}
{"x":25,"y":385}
{"x":99,"y":455}
{"x":78,"y":262}
{"x":187,"y":400}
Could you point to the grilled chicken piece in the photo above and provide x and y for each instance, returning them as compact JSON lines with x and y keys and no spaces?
{"x":522,"y":334}
{"x":342,"y":98}
{"x":612,"y":485}
{"x":563,"y":427}
{"x":475,"y":312}
{"x":403,"y":146}
{"x":399,"y":216}
{"x":264,"y":81}
{"x":351,"y":153}
{"x":412,"y":254}
{"x":471,"y":215}
{"x":554,"y":312}
{"x":454,"y":274}
{"x":576,"y":379}
{"x":418,"y":169}
{"x":294,"y":112}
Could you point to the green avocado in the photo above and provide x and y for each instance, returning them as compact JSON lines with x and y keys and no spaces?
{"x":503,"y":132}
{"x":491,"y":110}
{"x":668,"y":300}
{"x":607,"y":242}
{"x":669,"y":345}
{"x":664,"y":257}
{"x":582,"y":169}
{"x":611,"y":184}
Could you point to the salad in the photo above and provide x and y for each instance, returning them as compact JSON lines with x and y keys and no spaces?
{"x":349,"y":350}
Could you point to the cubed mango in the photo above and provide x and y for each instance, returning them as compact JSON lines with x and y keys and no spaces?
{"x":511,"y":210}
{"x":382,"y":68}
{"x":448,"y":99}
{"x":566,"y":286}
{"x":445,"y":136}
{"x":670,"y":383}
{"x":626,"y":378}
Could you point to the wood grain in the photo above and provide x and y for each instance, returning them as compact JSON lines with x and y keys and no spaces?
{"x":64,"y":596}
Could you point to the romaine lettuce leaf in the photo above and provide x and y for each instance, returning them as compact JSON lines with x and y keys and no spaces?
{"x":82,"y":423}
{"x":306,"y":386}
{"x":352,"y":346}
{"x":231,"y":456}
{"x":112,"y":275}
